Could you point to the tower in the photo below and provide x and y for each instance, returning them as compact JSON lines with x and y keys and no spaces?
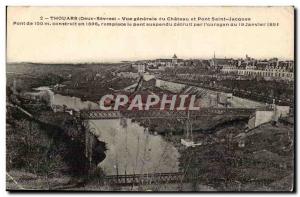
{"x":15,"y":86}
{"x":213,"y":62}
{"x":174,"y":59}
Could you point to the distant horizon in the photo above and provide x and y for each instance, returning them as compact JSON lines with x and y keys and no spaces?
{"x":145,"y":59}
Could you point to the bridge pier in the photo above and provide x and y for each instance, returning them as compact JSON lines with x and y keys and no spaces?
{"x":261,"y":116}
{"x":89,"y":142}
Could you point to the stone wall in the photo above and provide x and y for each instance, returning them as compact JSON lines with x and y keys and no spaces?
{"x":170,"y":86}
{"x":264,"y":116}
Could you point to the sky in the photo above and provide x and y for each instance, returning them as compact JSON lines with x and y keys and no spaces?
{"x":50,"y":44}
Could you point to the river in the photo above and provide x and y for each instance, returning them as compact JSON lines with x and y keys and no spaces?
{"x":131,"y":148}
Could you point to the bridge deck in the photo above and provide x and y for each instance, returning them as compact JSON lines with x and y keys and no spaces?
{"x":153,"y":178}
{"x":151,"y":114}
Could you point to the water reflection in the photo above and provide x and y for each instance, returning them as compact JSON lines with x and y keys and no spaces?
{"x":131,"y":148}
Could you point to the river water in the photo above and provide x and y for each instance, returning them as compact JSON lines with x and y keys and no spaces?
{"x":131,"y":148}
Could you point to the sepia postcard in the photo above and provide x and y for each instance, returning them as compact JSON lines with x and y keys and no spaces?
{"x":150,"y":99}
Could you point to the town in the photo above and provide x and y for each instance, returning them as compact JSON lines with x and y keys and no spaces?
{"x":271,"y":69}
{"x":237,"y":76}
{"x":240,"y":137}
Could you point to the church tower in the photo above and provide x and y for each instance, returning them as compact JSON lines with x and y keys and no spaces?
{"x":174,"y":59}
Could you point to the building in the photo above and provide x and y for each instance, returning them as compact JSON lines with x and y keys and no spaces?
{"x":141,"y":68}
{"x":174,"y":59}
{"x":222,"y":62}
{"x":272,"y":69}
{"x":158,"y":64}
